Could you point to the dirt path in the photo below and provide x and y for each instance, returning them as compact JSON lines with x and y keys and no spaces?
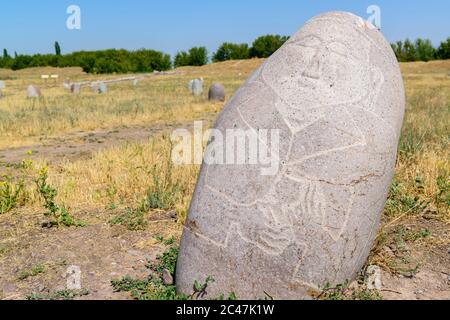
{"x":423,"y":266}
{"x":81,"y":145}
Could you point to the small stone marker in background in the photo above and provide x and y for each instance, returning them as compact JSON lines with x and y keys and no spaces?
{"x":135,"y":82}
{"x":196,"y":87}
{"x":216,"y":92}
{"x":33,"y":92}
{"x":102,"y":88}
{"x":2,"y":86}
{"x":75,"y":88}
{"x":191,"y":86}
{"x":67,"y":85}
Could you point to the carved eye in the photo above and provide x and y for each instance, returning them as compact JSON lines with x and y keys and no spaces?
{"x":338,"y":48}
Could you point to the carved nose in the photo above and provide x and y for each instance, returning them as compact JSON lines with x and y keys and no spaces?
{"x":313,"y":69}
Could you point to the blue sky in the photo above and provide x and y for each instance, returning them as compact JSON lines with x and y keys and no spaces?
{"x":30,"y":26}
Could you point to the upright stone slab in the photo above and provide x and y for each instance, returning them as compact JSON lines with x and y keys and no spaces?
{"x":216,"y":92}
{"x":75,"y":88}
{"x":190,"y":85}
{"x":332,"y":100}
{"x":33,"y":92}
{"x":195,"y":86}
{"x":2,"y":85}
{"x":67,"y":85}
{"x":102,"y":88}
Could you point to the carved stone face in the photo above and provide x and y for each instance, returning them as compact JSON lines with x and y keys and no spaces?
{"x":321,"y":67}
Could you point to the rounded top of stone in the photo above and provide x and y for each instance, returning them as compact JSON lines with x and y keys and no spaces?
{"x":217,"y":85}
{"x":346,"y":26}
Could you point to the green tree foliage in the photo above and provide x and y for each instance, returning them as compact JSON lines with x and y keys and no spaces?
{"x":57,"y":48}
{"x":105,"y":61}
{"x":443,"y":52}
{"x":409,"y":51}
{"x":197,"y":56}
{"x":181,"y":59}
{"x":424,"y":50}
{"x":231,"y":51}
{"x":397,"y":47}
{"x":265,"y":46}
{"x":420,"y":50}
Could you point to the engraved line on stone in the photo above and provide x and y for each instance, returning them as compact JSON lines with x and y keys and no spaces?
{"x":215,"y":243}
{"x":256,"y":132}
{"x":342,"y":21}
{"x":302,"y":108}
{"x":330,"y":230}
{"x":322,"y":153}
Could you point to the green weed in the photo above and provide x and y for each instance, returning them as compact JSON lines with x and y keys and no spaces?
{"x":61,"y":216}
{"x":59,"y":295}
{"x":34,"y":271}
{"x":343,"y":292}
{"x":133,"y":219}
{"x":162,"y":194}
{"x":154,"y":287}
{"x":12,"y":195}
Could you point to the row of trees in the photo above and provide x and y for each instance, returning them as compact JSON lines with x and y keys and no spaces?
{"x":197,"y":56}
{"x":105,"y":61}
{"x":421,"y":50}
{"x":123,"y":61}
{"x":263,"y":47}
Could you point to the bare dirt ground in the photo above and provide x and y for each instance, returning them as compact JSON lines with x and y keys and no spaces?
{"x":423,"y":267}
{"x":101,"y":252}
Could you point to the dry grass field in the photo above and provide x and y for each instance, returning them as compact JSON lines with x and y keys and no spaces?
{"x":101,"y":165}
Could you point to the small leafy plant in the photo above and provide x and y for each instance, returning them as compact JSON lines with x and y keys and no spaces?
{"x":133,"y":219}
{"x":60,"y":215}
{"x":154,"y":287}
{"x":59,"y":295}
{"x":344,"y":292}
{"x":11,"y":195}
{"x":34,"y":271}
{"x":162,"y":194}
